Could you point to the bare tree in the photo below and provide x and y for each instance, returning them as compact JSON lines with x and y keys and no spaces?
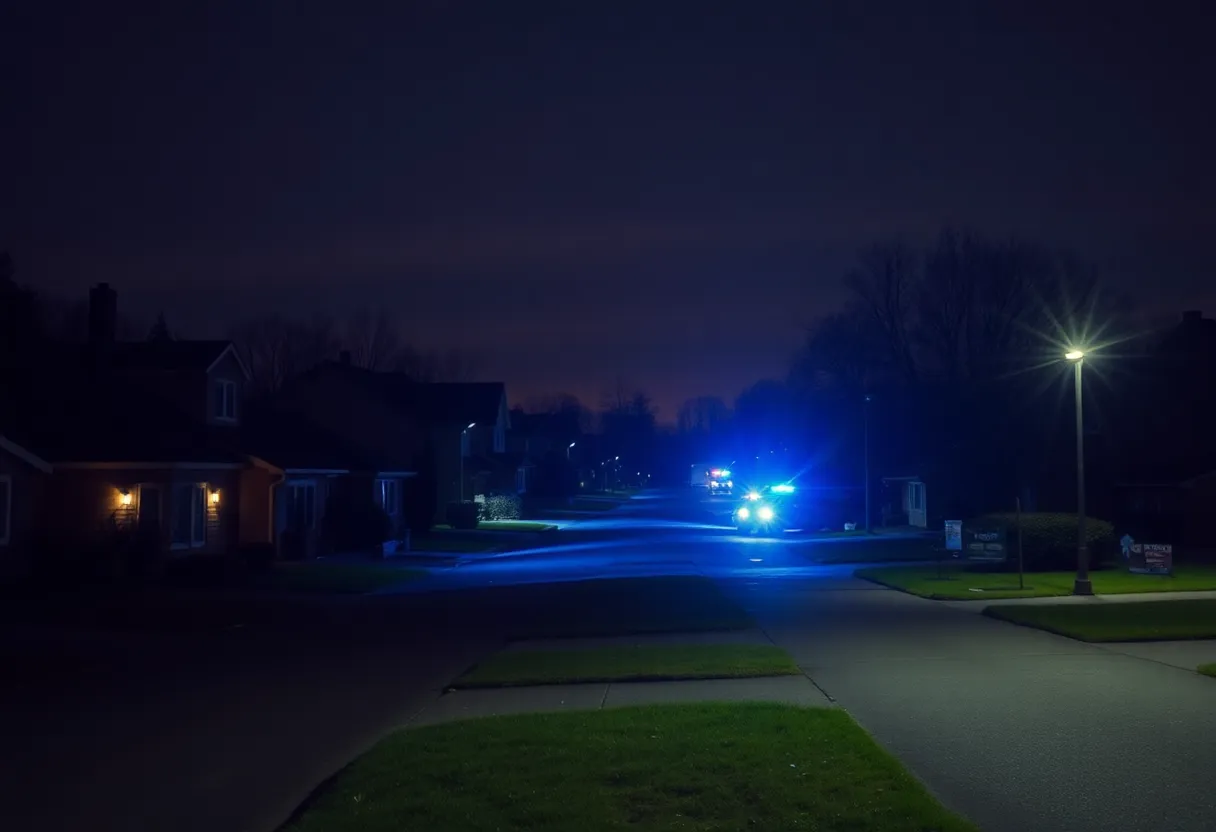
{"x":276,"y":349}
{"x":452,"y":365}
{"x":886,"y":281}
{"x":703,"y":414}
{"x":840,"y":354}
{"x":374,"y":340}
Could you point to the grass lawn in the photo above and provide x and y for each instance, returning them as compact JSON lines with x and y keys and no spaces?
{"x":515,"y":526}
{"x":625,"y":606}
{"x":341,"y":578}
{"x":446,"y":540}
{"x":1207,"y":669}
{"x":957,"y":584}
{"x":629,"y":664}
{"x":688,"y":767}
{"x":1135,"y":621}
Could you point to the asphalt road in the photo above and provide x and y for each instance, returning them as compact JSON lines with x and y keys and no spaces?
{"x":200,"y":713}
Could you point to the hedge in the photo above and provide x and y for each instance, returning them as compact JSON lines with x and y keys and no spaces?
{"x":1050,"y":539}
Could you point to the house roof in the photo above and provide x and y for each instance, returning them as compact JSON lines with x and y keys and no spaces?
{"x":73,"y":415}
{"x":167,"y":356}
{"x":24,"y":455}
{"x":289,"y":441}
{"x":457,"y":403}
{"x":437,"y":403}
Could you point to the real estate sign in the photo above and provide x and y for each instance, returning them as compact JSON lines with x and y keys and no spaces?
{"x":954,"y":535}
{"x":1148,"y":558}
{"x":986,"y":544}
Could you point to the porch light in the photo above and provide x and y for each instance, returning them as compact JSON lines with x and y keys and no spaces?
{"x":125,"y":497}
{"x":215,"y":497}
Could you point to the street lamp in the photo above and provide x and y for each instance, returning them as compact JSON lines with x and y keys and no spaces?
{"x":866,"y":421}
{"x":462,"y":435}
{"x":1082,"y":585}
{"x":568,"y":447}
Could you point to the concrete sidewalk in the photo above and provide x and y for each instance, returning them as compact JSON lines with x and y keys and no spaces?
{"x":465,"y":704}
{"x":978,"y":605}
{"x":1014,"y":728}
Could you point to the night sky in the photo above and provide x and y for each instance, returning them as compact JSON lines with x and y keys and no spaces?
{"x":664,"y":191}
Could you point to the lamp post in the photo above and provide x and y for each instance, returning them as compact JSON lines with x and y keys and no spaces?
{"x":1082,"y":584}
{"x":866,"y":420}
{"x":568,"y":447}
{"x":463,"y":433}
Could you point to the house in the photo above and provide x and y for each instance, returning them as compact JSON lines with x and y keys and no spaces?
{"x":314,"y":469}
{"x":144,"y":447}
{"x":388,"y":415}
{"x":23,"y":478}
{"x":903,"y":502}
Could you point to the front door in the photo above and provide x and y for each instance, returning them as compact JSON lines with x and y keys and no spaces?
{"x":917,"y":516}
{"x":148,"y":517}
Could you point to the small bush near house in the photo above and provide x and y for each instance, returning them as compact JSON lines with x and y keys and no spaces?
{"x":257,"y":557}
{"x":421,"y":493}
{"x":502,"y":507}
{"x":462,"y":515}
{"x":1049,"y":539}
{"x":354,"y":525}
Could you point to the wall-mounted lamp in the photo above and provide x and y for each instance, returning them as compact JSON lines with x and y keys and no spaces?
{"x":125,"y":497}
{"x":215,"y":497}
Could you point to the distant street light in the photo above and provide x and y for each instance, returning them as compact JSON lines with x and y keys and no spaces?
{"x":462,"y":435}
{"x":568,"y":447}
{"x":1082,"y":585}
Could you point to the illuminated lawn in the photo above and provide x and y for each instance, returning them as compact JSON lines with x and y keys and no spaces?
{"x":629,"y":664}
{"x":688,"y":767}
{"x":339,"y":578}
{"x":515,"y":526}
{"x":957,"y":584}
{"x":1135,"y":621}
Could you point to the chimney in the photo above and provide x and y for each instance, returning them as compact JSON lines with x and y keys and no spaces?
{"x":1191,"y":316}
{"x":344,"y":358}
{"x":103,"y":314}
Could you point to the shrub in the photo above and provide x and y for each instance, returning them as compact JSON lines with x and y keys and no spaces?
{"x":355,"y":525}
{"x":462,"y":515}
{"x":502,"y":507}
{"x":422,"y":493}
{"x":1049,"y":539}
{"x":257,"y":557}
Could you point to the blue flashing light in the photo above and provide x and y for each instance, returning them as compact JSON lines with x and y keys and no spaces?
{"x":783,"y":488}
{"x":724,"y":473}
{"x":753,"y":495}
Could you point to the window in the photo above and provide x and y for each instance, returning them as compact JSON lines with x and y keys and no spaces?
{"x":225,"y":400}
{"x":6,"y":509}
{"x":189,"y":512}
{"x":301,"y":506}
{"x":388,"y":496}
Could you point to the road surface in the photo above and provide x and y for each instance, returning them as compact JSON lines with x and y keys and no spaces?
{"x":197,"y":713}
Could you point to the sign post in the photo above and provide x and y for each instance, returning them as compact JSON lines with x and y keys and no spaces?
{"x":986,"y":545}
{"x":954,"y":541}
{"x":1147,"y":558}
{"x":1021,"y":571}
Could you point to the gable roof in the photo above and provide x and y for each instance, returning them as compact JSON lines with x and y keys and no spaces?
{"x":289,"y":441}
{"x":72,"y":415}
{"x":23,"y":455}
{"x":458,"y":403}
{"x":168,"y":356}
{"x":436,"y":403}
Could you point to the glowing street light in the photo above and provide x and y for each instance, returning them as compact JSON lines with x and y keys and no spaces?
{"x":462,"y":435}
{"x":1082,"y":585}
